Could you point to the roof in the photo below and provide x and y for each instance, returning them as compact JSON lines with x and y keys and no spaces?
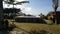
{"x":53,"y":12}
{"x":27,"y":17}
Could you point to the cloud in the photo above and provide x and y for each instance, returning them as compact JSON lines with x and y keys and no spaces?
{"x":29,"y":10}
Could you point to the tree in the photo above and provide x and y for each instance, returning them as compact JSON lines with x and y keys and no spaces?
{"x":10,"y":12}
{"x":11,"y":2}
{"x":1,"y":10}
{"x":13,"y":10}
{"x":41,"y":16}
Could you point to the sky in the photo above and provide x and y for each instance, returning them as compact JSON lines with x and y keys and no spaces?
{"x":35,"y":7}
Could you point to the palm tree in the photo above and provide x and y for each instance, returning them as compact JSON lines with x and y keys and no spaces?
{"x":41,"y":16}
{"x":11,"y":2}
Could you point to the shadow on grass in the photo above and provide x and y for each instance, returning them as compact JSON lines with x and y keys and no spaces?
{"x":39,"y":32}
{"x":30,"y":20}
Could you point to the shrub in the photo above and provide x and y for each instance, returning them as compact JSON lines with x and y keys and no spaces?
{"x":48,"y":21}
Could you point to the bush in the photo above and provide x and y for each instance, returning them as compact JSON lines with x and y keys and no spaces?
{"x":48,"y":21}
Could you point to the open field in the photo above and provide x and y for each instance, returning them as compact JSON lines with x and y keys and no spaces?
{"x":26,"y":27}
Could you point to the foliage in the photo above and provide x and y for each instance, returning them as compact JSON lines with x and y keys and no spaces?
{"x":41,"y":16}
{"x":12,"y":12}
{"x":18,"y":3}
{"x":48,"y":21}
{"x":11,"y":0}
{"x":9,"y":12}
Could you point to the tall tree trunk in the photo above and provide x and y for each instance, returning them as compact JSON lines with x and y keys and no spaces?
{"x":1,"y":9}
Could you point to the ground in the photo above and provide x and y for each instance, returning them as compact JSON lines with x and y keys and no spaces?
{"x":26,"y":27}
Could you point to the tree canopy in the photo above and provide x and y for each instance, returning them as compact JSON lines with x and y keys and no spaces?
{"x":41,"y":15}
{"x":11,"y":10}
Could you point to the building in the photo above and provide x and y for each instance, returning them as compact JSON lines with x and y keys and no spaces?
{"x":51,"y":16}
{"x":29,"y":19}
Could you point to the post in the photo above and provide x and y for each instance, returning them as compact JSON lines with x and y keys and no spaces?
{"x":55,"y":16}
{"x":55,"y":6}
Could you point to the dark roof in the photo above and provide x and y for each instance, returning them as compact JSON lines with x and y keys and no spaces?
{"x":53,"y":12}
{"x":27,"y":17}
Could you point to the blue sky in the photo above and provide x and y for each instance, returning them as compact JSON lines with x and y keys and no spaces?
{"x":35,"y":7}
{"x":41,"y":6}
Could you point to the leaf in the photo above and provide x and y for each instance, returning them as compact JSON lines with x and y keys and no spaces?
{"x":16,"y":3}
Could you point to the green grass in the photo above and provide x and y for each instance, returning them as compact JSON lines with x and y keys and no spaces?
{"x":48,"y":21}
{"x":55,"y":29}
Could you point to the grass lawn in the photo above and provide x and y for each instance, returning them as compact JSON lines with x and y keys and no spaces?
{"x":55,"y":29}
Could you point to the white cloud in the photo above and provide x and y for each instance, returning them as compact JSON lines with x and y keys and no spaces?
{"x":29,"y":10}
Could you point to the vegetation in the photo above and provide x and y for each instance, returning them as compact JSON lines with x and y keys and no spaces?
{"x":41,"y":16}
{"x":11,"y":2}
{"x":48,"y":21}
{"x":12,"y":12}
{"x":37,"y":27}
